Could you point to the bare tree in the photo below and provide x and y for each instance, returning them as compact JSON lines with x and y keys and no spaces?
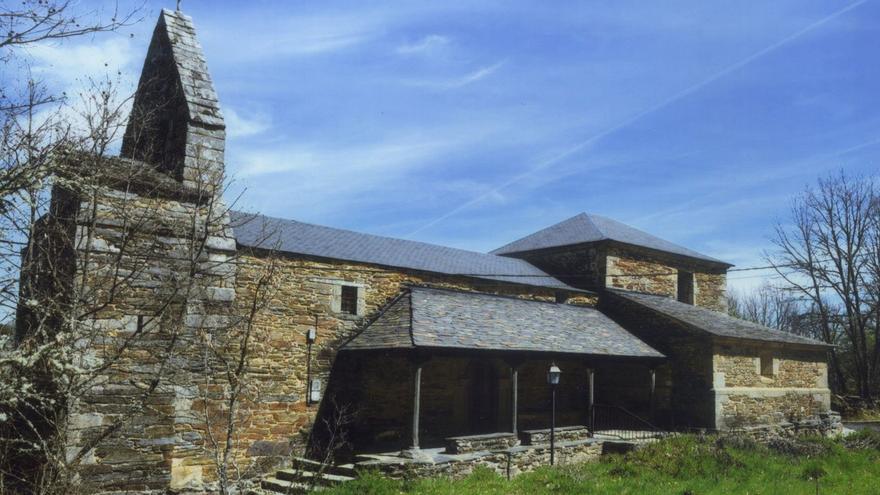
{"x":104,"y":262}
{"x":767,"y":305}
{"x":827,"y":256}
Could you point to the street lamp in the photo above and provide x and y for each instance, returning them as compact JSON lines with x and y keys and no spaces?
{"x":553,"y":375}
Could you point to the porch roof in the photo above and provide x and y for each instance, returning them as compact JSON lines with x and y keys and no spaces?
{"x":424,"y":317}
{"x":712,"y":322}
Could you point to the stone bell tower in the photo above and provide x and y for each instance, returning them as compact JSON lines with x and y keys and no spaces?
{"x":162,"y":224}
{"x":175,"y":122}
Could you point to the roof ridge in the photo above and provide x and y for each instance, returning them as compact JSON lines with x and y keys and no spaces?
{"x":380,"y":236}
{"x":499,"y":296}
{"x":587,"y":228}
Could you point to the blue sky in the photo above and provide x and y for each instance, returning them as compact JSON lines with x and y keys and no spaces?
{"x":471,"y":126}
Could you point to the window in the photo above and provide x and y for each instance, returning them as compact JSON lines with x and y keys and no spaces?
{"x":685,"y":287}
{"x":349,"y":300}
{"x":766,"y":365}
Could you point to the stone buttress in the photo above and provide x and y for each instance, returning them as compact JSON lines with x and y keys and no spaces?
{"x":157,"y":230}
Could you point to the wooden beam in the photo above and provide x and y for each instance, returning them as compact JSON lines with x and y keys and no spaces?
{"x":514,"y":396}
{"x":417,"y":391}
{"x":590,"y":398}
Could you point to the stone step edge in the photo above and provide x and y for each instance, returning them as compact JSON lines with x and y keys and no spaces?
{"x":298,"y":474}
{"x":310,"y":465}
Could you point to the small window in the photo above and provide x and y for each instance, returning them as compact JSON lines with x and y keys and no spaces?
{"x":685,"y":287}
{"x":766,"y":365}
{"x":349,"y":301}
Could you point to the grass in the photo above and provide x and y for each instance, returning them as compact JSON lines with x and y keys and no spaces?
{"x":682,"y":466}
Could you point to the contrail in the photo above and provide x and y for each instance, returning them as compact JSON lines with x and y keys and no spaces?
{"x":639,"y":115}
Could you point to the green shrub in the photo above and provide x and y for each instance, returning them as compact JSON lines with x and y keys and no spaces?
{"x":810,"y":446}
{"x":695,"y":465}
{"x":863,"y":439}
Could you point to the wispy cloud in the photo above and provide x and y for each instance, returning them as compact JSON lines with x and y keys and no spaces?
{"x":325,"y":178}
{"x":238,"y":125}
{"x":300,"y":36}
{"x":456,"y":82}
{"x":65,"y":63}
{"x":428,"y":44}
{"x":638,"y":116}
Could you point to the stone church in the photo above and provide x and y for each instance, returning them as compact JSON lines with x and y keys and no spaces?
{"x":434,"y":352}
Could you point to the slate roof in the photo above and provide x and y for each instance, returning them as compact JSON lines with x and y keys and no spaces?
{"x":314,"y":240}
{"x":201,"y":99}
{"x":712,"y":322}
{"x":439,"y":318}
{"x":585,"y":228}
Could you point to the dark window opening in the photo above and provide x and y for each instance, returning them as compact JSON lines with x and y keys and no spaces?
{"x":766,"y":365}
{"x":349,"y":302}
{"x":685,"y":287}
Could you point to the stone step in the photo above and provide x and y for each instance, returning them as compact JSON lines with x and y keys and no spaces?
{"x":275,"y":485}
{"x":562,"y":434}
{"x":309,"y":477}
{"x":310,"y":465}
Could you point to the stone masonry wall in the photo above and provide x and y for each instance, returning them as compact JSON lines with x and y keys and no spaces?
{"x":643,"y":271}
{"x":604,"y":264}
{"x":689,"y":370}
{"x":153,"y":275}
{"x":793,"y":386}
{"x":508,"y":463}
{"x":307,"y":295}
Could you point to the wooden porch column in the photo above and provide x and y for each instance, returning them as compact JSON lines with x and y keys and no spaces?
{"x":590,"y":399}
{"x":514,"y":397}
{"x":514,"y":361}
{"x":417,"y":392}
{"x":653,"y":388}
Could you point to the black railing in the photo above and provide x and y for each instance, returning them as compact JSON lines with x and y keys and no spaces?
{"x":617,"y":422}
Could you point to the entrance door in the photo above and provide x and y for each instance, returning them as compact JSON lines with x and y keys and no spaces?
{"x":482,"y":397}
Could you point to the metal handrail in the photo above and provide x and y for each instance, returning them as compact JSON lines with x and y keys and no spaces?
{"x":619,"y":422}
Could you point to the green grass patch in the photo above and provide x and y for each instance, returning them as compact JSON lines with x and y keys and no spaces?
{"x":679,"y":466}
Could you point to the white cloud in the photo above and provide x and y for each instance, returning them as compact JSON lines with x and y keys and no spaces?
{"x":65,"y":63}
{"x":82,"y":68}
{"x":331,"y":163}
{"x":327,"y":178}
{"x":238,"y":125}
{"x":300,"y":36}
{"x":428,"y":44}
{"x":457,"y":82}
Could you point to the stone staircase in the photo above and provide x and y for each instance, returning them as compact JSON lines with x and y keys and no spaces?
{"x":306,"y":475}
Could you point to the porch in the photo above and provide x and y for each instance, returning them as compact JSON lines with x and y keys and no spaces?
{"x":440,"y":366}
{"x":481,"y":401}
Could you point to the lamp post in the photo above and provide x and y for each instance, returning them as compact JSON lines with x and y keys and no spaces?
{"x":553,"y":375}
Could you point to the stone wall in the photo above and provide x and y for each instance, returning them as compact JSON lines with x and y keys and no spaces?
{"x":307,"y":295}
{"x":640,"y":270}
{"x":151,"y":273}
{"x":580,"y":266}
{"x":606,"y":264}
{"x":790,"y":386}
{"x":687,"y":374}
{"x":508,"y":463}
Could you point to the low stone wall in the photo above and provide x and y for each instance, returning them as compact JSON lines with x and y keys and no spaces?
{"x":824,"y":424}
{"x":477,"y":443}
{"x":563,"y":434}
{"x":508,"y":463}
